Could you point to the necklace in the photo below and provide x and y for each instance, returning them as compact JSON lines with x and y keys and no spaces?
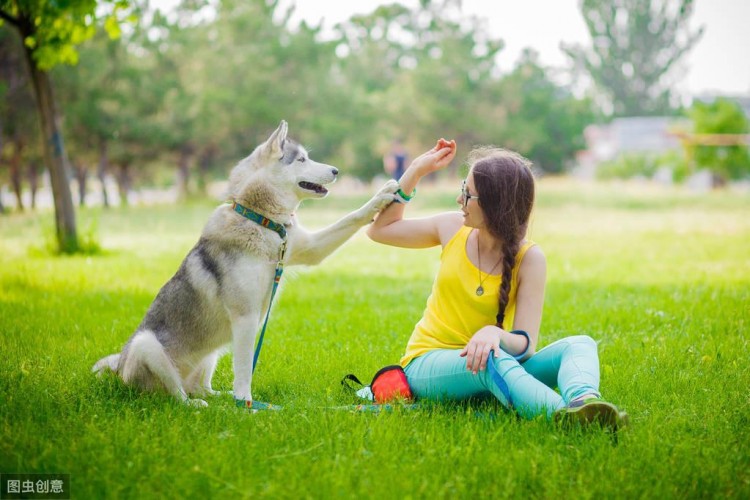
{"x":480,"y":288}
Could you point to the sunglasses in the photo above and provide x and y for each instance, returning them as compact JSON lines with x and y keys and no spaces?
{"x":465,"y":196}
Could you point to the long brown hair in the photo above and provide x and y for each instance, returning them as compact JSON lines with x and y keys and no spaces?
{"x":505,"y":185}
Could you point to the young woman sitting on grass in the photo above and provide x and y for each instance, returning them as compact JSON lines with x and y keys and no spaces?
{"x":480,"y":329}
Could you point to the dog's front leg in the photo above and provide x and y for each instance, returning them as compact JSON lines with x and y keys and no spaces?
{"x":244,"y":329}
{"x":312,"y":248}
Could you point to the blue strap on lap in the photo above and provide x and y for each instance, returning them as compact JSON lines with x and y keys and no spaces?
{"x":495,"y":375}
{"x":498,"y":379}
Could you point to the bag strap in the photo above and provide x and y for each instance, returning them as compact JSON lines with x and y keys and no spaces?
{"x":347,"y":381}
{"x":385,"y":369}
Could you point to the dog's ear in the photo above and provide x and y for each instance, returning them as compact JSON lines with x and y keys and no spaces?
{"x":275,"y":143}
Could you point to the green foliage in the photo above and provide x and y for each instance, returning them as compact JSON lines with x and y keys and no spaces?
{"x":635,"y":44}
{"x":721,"y":117}
{"x":545,"y":120}
{"x":627,"y":166}
{"x":200,"y":86}
{"x":677,"y":163}
{"x":661,"y":280}
{"x":200,"y":91}
{"x":645,"y":165}
{"x":53,"y":30}
{"x":89,"y":243}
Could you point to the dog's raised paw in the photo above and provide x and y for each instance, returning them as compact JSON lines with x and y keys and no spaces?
{"x":390,"y":187}
{"x":383,"y":200}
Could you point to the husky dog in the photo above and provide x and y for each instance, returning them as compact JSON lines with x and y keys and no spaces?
{"x":219,"y":295}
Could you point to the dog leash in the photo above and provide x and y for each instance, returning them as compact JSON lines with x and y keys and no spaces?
{"x":281,"y":230}
{"x":276,"y":281}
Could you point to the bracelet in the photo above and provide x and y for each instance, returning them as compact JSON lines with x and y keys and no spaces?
{"x":402,"y":197}
{"x":528,"y":343}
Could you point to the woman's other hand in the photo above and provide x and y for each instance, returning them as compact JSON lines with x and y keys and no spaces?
{"x":478,"y":350}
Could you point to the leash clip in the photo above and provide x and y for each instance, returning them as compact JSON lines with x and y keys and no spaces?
{"x":282,"y":251}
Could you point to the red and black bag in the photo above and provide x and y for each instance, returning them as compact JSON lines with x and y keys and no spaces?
{"x":388,"y":384}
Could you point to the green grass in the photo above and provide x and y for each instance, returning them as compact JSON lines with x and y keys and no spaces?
{"x":661,"y":278}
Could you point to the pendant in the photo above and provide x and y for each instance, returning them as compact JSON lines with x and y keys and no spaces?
{"x":480,"y":290}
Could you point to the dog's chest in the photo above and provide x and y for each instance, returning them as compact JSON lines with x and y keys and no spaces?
{"x":248,"y":284}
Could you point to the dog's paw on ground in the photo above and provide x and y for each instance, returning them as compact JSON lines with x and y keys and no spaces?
{"x":196,"y":403}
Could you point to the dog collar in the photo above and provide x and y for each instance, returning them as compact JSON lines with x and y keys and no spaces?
{"x":259,"y":219}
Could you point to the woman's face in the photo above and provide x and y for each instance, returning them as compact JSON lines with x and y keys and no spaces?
{"x":468,"y":200}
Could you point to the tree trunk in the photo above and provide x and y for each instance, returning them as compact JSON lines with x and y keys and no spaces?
{"x":204,"y":164}
{"x":15,"y":173}
{"x":33,"y":182}
{"x":81,"y":174}
{"x":123,"y":182}
{"x":54,"y":156}
{"x":183,"y":171}
{"x":101,"y":171}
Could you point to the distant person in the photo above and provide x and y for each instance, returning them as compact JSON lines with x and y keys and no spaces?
{"x":394,"y":162}
{"x":479,"y":331}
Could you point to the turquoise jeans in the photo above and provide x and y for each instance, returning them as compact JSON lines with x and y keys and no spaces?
{"x":570,"y":364}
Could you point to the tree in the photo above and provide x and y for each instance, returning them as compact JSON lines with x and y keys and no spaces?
{"x":17,"y":126}
{"x":50,"y":32}
{"x":545,"y":121}
{"x":635,"y":45}
{"x":419,"y":74}
{"x":711,"y":121}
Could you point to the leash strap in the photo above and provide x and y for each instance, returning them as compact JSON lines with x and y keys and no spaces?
{"x":499,"y":380}
{"x":255,"y":405}
{"x":281,"y":231}
{"x":276,"y":281}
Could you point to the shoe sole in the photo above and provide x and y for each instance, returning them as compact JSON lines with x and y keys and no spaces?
{"x":598,"y":412}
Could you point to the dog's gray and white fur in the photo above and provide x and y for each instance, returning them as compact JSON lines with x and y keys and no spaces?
{"x":219,"y":295}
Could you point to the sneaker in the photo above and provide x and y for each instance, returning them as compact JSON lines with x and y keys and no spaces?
{"x":591,"y":411}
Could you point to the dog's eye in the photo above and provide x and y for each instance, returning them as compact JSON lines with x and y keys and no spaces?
{"x":301,"y":160}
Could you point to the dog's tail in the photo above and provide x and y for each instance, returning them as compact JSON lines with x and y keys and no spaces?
{"x":106,"y":363}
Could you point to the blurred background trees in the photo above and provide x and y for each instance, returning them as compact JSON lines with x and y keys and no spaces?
{"x":49,"y":33}
{"x":717,"y":145}
{"x":635,"y":47}
{"x":177,"y":98}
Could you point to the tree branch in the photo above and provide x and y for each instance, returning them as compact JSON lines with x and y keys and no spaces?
{"x":12,"y":20}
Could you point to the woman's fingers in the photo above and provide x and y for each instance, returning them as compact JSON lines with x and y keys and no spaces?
{"x":470,"y":350}
{"x":477,"y":356}
{"x":485,"y":356}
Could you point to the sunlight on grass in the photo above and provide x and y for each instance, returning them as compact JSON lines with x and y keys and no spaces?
{"x":661,"y":278}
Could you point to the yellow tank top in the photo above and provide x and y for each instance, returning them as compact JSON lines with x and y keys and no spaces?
{"x":454,"y":311}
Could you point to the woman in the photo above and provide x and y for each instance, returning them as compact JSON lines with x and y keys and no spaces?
{"x":480,"y":329}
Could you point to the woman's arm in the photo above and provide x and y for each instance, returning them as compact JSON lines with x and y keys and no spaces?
{"x":391,"y":228}
{"x":532,"y":276}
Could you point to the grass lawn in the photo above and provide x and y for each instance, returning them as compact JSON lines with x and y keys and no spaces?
{"x":661,"y":278}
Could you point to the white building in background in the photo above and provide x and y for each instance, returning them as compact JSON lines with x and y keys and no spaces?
{"x":638,"y":134}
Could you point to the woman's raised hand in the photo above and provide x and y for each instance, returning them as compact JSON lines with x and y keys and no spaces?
{"x":436,"y":158}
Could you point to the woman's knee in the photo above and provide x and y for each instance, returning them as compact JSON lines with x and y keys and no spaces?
{"x":581,"y":340}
